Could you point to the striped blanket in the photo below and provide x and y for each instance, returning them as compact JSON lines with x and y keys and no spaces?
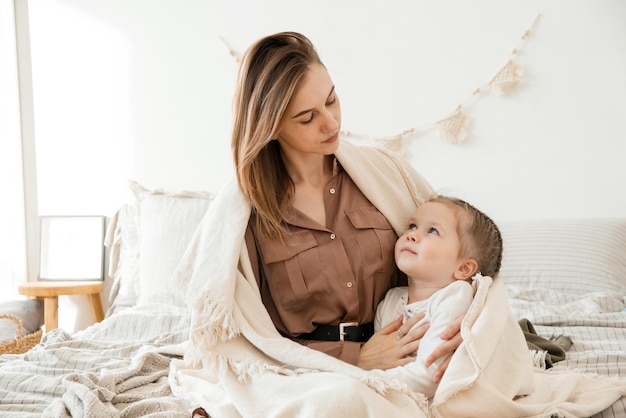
{"x":115,"y":368}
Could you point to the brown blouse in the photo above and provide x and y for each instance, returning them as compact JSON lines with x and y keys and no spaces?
{"x":327,"y":274}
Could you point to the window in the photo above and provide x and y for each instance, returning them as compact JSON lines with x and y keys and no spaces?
{"x":12,"y":224}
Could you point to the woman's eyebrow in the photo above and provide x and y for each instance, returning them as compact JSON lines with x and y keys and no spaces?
{"x":303,"y":112}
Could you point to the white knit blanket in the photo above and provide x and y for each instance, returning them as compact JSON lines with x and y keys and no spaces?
{"x":238,"y":365}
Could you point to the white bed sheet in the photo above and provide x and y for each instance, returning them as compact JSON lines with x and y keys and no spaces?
{"x":118,"y":367}
{"x":595,"y":322}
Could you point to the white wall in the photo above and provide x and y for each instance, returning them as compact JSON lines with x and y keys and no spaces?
{"x":142,"y":89}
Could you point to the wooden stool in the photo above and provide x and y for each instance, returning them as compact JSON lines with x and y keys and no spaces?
{"x":49,"y":291}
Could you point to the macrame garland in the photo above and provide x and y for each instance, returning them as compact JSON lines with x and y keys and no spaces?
{"x":454,"y":128}
{"x":392,"y":143}
{"x":507,"y":78}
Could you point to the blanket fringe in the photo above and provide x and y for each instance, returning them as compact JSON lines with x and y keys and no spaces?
{"x":382,"y":386}
{"x":538,"y":358}
{"x":213,"y":326}
{"x":245,"y":369}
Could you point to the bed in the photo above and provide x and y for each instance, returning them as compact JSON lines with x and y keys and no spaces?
{"x":565,"y":276}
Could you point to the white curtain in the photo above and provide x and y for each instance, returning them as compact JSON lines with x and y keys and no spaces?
{"x":12,"y":224}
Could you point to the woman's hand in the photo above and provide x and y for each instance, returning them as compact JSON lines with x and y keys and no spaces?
{"x":452,"y":340}
{"x":392,"y":346}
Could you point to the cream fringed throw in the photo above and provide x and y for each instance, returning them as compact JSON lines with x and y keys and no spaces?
{"x":492,"y":366}
{"x":238,"y":365}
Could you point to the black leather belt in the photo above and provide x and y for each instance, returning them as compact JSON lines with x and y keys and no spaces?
{"x":346,"y":331}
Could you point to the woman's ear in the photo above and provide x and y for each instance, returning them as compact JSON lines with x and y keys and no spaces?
{"x":466,"y":270}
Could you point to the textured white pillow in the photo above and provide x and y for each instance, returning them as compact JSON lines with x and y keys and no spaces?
{"x":573,"y":255}
{"x":146,"y":241}
{"x":167,"y":221}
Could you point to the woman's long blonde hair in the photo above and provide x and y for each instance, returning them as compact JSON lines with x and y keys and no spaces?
{"x":268,"y":77}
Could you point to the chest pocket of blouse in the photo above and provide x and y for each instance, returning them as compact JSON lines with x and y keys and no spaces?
{"x":285,"y":265}
{"x":376,"y":239}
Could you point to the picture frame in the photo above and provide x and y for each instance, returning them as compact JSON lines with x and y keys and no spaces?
{"x":71,"y":248}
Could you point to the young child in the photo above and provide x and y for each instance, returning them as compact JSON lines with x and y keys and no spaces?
{"x":447,"y":242}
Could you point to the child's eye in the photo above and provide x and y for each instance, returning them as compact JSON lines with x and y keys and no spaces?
{"x":433,"y":230}
{"x":412,"y":227}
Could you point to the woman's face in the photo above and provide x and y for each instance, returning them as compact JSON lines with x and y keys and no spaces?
{"x":312,"y":119}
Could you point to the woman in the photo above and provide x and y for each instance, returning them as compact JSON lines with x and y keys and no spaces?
{"x":310,"y":227}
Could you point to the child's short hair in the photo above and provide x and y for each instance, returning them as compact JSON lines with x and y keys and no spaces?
{"x":480,"y":236}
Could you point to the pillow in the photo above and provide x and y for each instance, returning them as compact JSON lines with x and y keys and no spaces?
{"x":573,"y":255}
{"x":167,"y":221}
{"x":153,"y":235}
{"x":29,"y":311}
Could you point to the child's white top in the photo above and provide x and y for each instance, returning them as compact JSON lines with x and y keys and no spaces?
{"x":441,"y":309}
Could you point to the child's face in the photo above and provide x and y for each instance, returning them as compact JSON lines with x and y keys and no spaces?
{"x":429,"y":249}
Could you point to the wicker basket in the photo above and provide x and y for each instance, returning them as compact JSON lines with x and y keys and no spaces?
{"x":21,"y":343}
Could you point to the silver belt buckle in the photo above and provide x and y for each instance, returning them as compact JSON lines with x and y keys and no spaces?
{"x":343,"y":325}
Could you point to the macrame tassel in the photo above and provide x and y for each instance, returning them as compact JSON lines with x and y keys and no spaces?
{"x":392,"y":143}
{"x":507,"y":78}
{"x":231,"y":51}
{"x":453,"y":128}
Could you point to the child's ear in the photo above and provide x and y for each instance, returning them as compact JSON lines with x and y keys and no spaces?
{"x":466,"y":270}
